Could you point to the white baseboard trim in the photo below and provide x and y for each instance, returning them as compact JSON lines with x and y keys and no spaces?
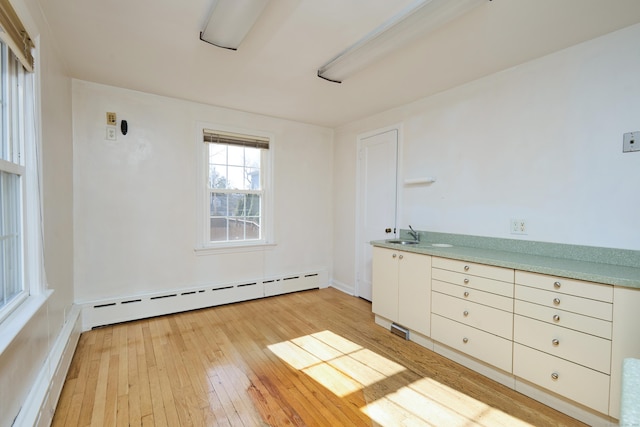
{"x":349,"y":290}
{"x":40,"y":404}
{"x":133,"y":307}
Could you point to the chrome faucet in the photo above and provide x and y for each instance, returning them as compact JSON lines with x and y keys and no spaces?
{"x":413,"y":233}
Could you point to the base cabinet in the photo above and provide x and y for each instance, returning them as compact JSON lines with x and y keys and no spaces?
{"x":553,"y":336}
{"x":402,"y":288}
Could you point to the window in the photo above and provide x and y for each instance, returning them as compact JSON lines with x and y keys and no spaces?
{"x":236,"y":194}
{"x":13,"y":289}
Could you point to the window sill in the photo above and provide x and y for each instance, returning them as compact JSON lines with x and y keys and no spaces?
{"x":232,"y":248}
{"x":15,"y":323}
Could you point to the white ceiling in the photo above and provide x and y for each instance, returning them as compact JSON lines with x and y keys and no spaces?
{"x":153,"y":46}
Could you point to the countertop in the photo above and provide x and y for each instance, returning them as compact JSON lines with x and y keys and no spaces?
{"x":582,"y":269}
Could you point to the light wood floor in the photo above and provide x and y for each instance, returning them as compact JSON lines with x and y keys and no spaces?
{"x":312,"y":358}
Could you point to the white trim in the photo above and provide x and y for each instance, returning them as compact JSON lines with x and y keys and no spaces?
{"x":266,"y":170}
{"x":358,"y":229}
{"x":12,"y":325}
{"x":40,"y":404}
{"x":343,"y":287}
{"x":233,"y":248}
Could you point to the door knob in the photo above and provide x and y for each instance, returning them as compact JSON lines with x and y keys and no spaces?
{"x":387,"y":230}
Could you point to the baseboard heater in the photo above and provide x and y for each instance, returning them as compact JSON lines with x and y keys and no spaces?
{"x":400,"y":331}
{"x":102,"y":313}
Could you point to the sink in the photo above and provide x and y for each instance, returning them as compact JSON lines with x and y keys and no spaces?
{"x":403,"y":242}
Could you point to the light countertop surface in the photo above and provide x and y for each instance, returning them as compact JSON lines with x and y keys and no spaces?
{"x":589,"y":270}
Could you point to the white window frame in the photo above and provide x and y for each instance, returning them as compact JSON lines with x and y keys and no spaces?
{"x":203,"y":245}
{"x":20,"y":124}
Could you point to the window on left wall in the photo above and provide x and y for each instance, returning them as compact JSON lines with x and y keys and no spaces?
{"x":14,"y":184}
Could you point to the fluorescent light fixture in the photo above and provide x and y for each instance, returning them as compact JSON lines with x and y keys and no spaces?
{"x":230,"y":21}
{"x":417,"y":19}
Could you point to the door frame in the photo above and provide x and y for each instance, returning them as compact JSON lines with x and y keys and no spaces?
{"x":359,"y":196}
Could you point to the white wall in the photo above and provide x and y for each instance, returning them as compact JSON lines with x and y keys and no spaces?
{"x":135,"y":198}
{"x":541,"y":141}
{"x":27,"y":356}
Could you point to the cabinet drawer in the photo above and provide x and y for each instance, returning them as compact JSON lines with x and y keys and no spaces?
{"x":596,"y":291}
{"x":584,"y":306}
{"x":479,"y":316}
{"x":480,"y":283}
{"x":482,"y":345}
{"x":472,"y":294}
{"x":488,"y":271}
{"x":554,"y":316}
{"x":575,"y":382}
{"x":584,"y":349}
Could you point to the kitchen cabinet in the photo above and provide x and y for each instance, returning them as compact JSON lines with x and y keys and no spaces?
{"x":402,"y":288}
{"x":562,"y":336}
{"x":559,"y":340}
{"x":472,"y":310}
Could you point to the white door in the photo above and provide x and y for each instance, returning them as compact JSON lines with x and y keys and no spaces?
{"x":378,"y":159}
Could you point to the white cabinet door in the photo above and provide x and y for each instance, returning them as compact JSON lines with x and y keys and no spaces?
{"x":414,"y":288}
{"x":385,"y":283}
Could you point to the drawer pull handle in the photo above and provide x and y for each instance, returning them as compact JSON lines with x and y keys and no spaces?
{"x":466,"y":280}
{"x":555,"y":376}
{"x":466,"y":268}
{"x":557,"y":285}
{"x":394,"y":255}
{"x":465,"y":313}
{"x":556,"y":301}
{"x":556,"y":318}
{"x":466,"y":294}
{"x":555,"y":342}
{"x":465,"y":340}
{"x":400,"y":257}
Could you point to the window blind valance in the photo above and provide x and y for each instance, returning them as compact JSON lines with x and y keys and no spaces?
{"x":14,"y":35}
{"x":210,"y":136}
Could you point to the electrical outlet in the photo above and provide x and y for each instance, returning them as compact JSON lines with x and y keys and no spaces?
{"x":111,"y":119}
{"x":630,"y":142}
{"x":111,"y":133}
{"x":518,"y":226}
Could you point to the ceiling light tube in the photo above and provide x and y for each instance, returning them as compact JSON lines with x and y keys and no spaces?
{"x":230,"y":21}
{"x":417,"y":19}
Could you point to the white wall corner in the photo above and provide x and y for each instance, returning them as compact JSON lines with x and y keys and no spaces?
{"x":347,"y":289}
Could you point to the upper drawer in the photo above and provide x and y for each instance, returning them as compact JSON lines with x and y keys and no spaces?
{"x":471,"y":294}
{"x":562,"y":285}
{"x":574,"y":304}
{"x":566,"y":319}
{"x":491,"y":272}
{"x":475,"y":282}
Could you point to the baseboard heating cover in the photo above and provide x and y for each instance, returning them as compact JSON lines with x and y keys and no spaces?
{"x":111,"y":311}
{"x":400,"y":331}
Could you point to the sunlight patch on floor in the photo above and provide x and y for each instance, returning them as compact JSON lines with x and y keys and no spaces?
{"x":427,"y":402}
{"x":344,"y":367}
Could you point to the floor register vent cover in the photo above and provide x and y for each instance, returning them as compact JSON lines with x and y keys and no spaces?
{"x":400,"y":331}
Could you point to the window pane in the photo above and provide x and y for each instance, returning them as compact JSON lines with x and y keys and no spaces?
{"x":236,"y":155}
{"x":237,"y":178}
{"x":219,"y":229}
{"x":218,"y":154}
{"x":233,"y":214}
{"x":252,"y":228}
{"x":253,"y":205}
{"x":219,"y":204}
{"x":218,"y":176}
{"x":10,"y":237}
{"x":252,"y":157}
